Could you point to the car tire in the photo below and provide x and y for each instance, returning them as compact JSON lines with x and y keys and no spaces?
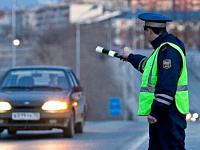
{"x":12,"y":131}
{"x":69,"y":130}
{"x":79,"y":125}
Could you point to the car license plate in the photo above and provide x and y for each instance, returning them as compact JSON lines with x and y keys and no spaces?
{"x":25,"y":116}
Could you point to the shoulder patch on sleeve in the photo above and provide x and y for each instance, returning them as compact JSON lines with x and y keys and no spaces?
{"x":167,"y":63}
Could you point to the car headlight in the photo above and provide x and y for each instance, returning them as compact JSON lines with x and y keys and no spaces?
{"x":55,"y":105}
{"x":5,"y":106}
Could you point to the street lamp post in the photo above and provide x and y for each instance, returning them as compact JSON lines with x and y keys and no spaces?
{"x":78,"y":23}
{"x":13,"y":33}
{"x":78,"y":49}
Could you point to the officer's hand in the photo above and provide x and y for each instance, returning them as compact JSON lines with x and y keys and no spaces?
{"x":124,"y":55}
{"x":151,"y":119}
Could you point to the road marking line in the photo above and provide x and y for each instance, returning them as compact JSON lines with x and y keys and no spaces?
{"x":139,"y":142}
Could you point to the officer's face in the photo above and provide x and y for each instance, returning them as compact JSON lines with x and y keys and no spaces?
{"x":148,"y":34}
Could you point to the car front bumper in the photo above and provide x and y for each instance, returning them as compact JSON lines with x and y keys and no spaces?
{"x":47,"y":120}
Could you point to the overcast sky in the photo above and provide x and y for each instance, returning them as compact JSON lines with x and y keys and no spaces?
{"x":7,"y":4}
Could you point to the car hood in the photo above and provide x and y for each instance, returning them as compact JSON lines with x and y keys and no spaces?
{"x":32,"y":98}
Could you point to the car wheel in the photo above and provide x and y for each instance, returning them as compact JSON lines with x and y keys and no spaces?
{"x":79,"y":125}
{"x":69,"y":130}
{"x":12,"y":131}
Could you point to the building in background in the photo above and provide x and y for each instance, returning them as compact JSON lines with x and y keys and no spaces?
{"x":185,"y":15}
{"x":31,"y":22}
{"x":53,"y":16}
{"x":81,"y":12}
{"x":5,"y":27}
{"x":25,"y":24}
{"x":181,"y":5}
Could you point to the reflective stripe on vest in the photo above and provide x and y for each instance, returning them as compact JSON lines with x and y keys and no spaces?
{"x":152,"y":89}
{"x":149,"y":80}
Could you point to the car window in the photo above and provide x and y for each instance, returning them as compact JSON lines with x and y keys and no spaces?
{"x":35,"y":78}
{"x":70,"y":79}
{"x":75,"y":78}
{"x":75,"y":83}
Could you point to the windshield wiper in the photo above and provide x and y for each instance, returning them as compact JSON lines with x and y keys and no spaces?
{"x":16,"y":88}
{"x":32,"y":88}
{"x":48,"y":87}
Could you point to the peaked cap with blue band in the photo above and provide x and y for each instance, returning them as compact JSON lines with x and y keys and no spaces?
{"x":154,"y":20}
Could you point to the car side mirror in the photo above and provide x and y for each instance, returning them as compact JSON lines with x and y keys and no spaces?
{"x":78,"y":89}
{"x":77,"y":93}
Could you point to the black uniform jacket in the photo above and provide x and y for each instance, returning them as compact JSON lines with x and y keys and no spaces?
{"x":169,"y":68}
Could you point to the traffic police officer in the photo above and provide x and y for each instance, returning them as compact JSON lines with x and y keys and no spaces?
{"x":163,"y":95}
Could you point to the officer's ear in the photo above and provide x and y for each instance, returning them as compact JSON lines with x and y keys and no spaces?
{"x":148,"y":31}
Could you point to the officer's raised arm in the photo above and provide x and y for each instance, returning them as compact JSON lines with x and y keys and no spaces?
{"x":138,"y":61}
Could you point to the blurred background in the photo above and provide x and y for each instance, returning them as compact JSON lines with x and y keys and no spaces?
{"x":66,"y":32}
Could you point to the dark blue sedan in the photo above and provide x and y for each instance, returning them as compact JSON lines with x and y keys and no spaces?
{"x":42,"y":98}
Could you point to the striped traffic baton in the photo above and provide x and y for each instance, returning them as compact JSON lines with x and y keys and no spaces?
{"x":111,"y":53}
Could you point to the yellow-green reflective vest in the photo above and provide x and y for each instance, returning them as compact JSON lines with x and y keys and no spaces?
{"x":149,"y":80}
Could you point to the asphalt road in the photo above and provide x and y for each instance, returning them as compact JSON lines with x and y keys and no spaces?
{"x":107,"y":135}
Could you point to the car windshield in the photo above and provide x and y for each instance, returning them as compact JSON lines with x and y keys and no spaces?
{"x":35,"y":79}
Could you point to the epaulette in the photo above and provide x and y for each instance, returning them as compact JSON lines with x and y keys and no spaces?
{"x":163,"y":48}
